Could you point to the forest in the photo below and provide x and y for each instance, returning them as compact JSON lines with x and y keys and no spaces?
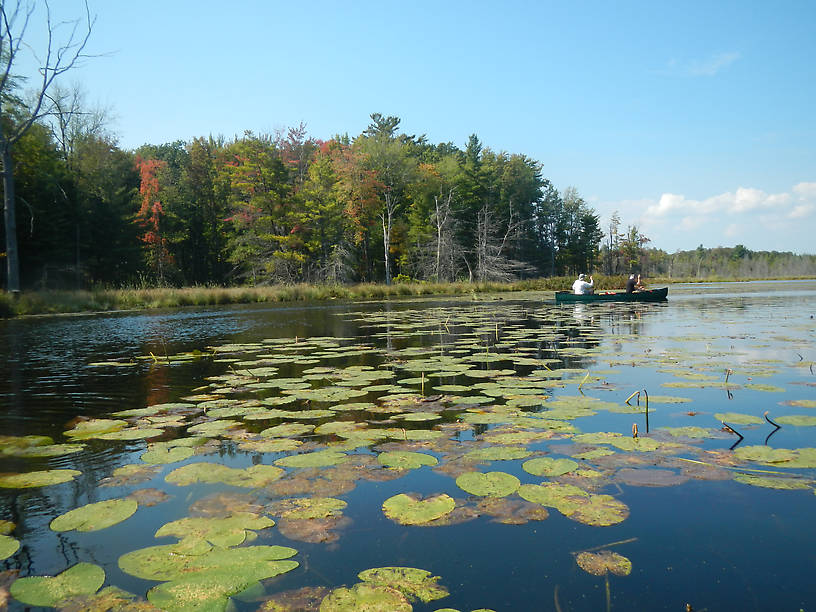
{"x":262,"y":209}
{"x":284,"y":208}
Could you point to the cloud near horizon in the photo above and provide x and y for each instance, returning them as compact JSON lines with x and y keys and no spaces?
{"x":760,"y":220}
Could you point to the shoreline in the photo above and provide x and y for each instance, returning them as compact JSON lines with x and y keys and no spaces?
{"x":106,"y":301}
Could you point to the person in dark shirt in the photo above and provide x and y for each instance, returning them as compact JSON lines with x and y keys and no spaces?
{"x":630,"y":284}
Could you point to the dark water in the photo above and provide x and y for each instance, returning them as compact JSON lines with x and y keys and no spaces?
{"x":717,"y":545}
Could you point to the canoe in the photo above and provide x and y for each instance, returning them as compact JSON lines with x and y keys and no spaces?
{"x":649,"y":295}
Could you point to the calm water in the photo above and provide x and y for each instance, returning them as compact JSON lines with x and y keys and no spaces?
{"x":714,"y":543}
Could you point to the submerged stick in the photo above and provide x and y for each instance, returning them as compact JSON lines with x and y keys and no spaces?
{"x":555,"y":600}
{"x":603,"y":546}
{"x":608,"y":594}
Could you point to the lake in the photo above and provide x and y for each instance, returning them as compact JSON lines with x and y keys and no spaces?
{"x":523,"y":455}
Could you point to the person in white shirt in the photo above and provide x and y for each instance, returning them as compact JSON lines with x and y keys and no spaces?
{"x":581,"y":287}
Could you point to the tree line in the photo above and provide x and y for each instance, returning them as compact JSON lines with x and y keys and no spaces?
{"x":286,"y":207}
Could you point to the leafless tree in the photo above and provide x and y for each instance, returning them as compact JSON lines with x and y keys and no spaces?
{"x":492,"y":261}
{"x":64,"y":50}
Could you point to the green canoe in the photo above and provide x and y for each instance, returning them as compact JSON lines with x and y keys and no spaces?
{"x":650,"y":295}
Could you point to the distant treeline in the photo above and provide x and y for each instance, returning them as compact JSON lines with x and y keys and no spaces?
{"x":264,"y":209}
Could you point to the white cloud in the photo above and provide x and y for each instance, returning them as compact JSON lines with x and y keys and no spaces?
{"x":801,"y":211}
{"x":805,"y":191}
{"x":752,"y":216}
{"x":713,"y":64}
{"x":733,"y":230}
{"x":743,"y":200}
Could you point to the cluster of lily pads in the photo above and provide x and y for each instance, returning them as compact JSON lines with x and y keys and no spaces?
{"x":460,"y":391}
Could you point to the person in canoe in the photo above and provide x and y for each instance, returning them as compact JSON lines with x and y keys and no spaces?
{"x":634,"y":284}
{"x":581,"y":287}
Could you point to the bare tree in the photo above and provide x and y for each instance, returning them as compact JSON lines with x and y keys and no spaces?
{"x":492,"y":262}
{"x":61,"y":54}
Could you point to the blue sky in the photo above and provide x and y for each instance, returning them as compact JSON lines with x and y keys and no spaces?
{"x":694,"y":120}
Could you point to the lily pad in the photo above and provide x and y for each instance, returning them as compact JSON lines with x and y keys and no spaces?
{"x":765,"y":454}
{"x":737,"y":418}
{"x":406,"y":460}
{"x":255,"y":476}
{"x":230,"y":531}
{"x":600,"y":511}
{"x":547,"y":466}
{"x":797,"y":420}
{"x":37,"y":479}
{"x":603,"y":562}
{"x":161,"y":454}
{"x":8,"y":546}
{"x":407,"y":510}
{"x":315,"y":459}
{"x":95,"y":516}
{"x":211,"y":589}
{"x":48,"y":591}
{"x":490,"y":484}
{"x":171,"y":561}
{"x":411,"y":582}
{"x":308,"y":507}
{"x":498,"y":453}
{"x":366,"y":598}
{"x":772,"y":482}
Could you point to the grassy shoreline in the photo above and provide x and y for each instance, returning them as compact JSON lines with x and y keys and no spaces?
{"x":109,"y":300}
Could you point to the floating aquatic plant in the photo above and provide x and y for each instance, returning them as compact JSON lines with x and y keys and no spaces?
{"x":49,"y":591}
{"x":490,"y":484}
{"x":408,"y":510}
{"x":37,"y":479}
{"x":95,"y":516}
{"x":603,"y":562}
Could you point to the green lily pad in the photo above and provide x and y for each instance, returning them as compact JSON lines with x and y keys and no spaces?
{"x":286,"y":430}
{"x":406,"y":460}
{"x":162,"y":453}
{"x":8,"y":546}
{"x":546,"y":466}
{"x":798,"y":420}
{"x":230,"y":531}
{"x":37,"y":479}
{"x":407,"y":510}
{"x":365,"y":597}
{"x":95,"y":427}
{"x":109,"y":599}
{"x":772,"y":482}
{"x":600,"y":511}
{"x":490,"y":484}
{"x":210,"y":589}
{"x":48,"y":591}
{"x":802,"y":403}
{"x":315,"y":459}
{"x":304,"y":508}
{"x":603,"y":562}
{"x":255,"y":476}
{"x":563,"y":497}
{"x":95,"y":516}
{"x":765,"y":388}
{"x":737,"y":418}
{"x":765,"y":454}
{"x":411,"y":582}
{"x":49,"y":450}
{"x":498,"y":453}
{"x":171,"y":561}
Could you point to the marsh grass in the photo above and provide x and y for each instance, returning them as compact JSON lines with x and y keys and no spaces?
{"x":140,"y":298}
